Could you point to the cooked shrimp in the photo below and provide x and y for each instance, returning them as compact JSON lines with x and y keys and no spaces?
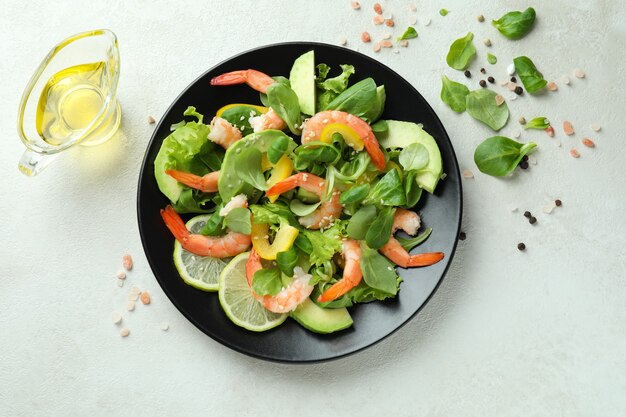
{"x":328,"y":210}
{"x":408,"y":221}
{"x":314,"y":126}
{"x":230,"y":244}
{"x":255,"y":79}
{"x":206,"y":183}
{"x":352,"y":274}
{"x":237,"y":201}
{"x":288,"y":298}
{"x":223,"y":133}
{"x":266,"y":121}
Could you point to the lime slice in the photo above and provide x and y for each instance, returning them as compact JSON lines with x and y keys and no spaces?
{"x":238,"y":302}
{"x":201,"y":272}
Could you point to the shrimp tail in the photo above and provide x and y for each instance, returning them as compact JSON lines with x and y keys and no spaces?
{"x":425,"y":259}
{"x":255,"y":79}
{"x":335,"y":291}
{"x":252,"y":265}
{"x":193,"y":181}
{"x":283,"y":186}
{"x":174,"y":222}
{"x":373,"y":149}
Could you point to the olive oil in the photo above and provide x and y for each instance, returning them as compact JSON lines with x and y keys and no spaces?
{"x":70,"y":102}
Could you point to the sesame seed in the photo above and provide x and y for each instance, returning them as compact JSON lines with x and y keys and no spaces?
{"x":549,"y":207}
{"x":343,"y":41}
{"x":565,"y":80}
{"x":413,"y":21}
{"x":487,"y":42}
{"x":387,"y":36}
{"x":499,"y":99}
{"x":151,"y":120}
{"x":121,"y":274}
{"x":579,"y":73}
{"x":130,"y":306}
{"x":355,"y":5}
{"x":165,"y":326}
{"x":522,"y":120}
{"x":427,"y":22}
{"x":480,"y":18}
{"x":596,"y":127}
{"x":412,"y":7}
{"x":124,"y":332}
{"x":467,"y":173}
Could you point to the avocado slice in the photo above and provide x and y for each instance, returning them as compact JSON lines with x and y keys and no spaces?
{"x":321,"y":320}
{"x":402,"y":134}
{"x":302,"y":80}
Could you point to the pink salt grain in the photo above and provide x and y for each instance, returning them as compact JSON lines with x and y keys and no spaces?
{"x":588,"y":143}
{"x":568,"y":128}
{"x":386,"y":44}
{"x":355,"y":5}
{"x":127,"y":262}
{"x":378,"y":19}
{"x":376,"y":47}
{"x":552,"y":86}
{"x":365,"y":37}
{"x":550,"y":131}
{"x":574,"y":153}
{"x":378,"y":9}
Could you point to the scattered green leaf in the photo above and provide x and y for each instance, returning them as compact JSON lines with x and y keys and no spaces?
{"x":529,"y":74}
{"x":461,"y":52}
{"x":499,"y":155}
{"x":515,"y":25}
{"x":409,"y":33}
{"x":537,"y":123}
{"x":481,"y":105}
{"x":454,"y":94}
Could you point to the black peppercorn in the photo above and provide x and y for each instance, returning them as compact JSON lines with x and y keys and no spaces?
{"x":558,"y":203}
{"x":468,"y":74}
{"x":521,"y":246}
{"x":523,"y":165}
{"x":519,"y":90}
{"x":482,"y":70}
{"x":527,"y":214}
{"x":532,"y":220}
{"x":462,"y":236}
{"x":513,"y":79}
{"x":491,"y":79}
{"x":525,"y":158}
{"x":482,"y":83}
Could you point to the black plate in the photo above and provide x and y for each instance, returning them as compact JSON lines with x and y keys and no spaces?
{"x":372,"y":322}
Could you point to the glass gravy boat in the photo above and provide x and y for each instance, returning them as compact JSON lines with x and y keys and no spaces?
{"x":70,"y":99}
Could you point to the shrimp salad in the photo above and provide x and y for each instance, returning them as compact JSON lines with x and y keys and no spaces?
{"x":310,"y":182}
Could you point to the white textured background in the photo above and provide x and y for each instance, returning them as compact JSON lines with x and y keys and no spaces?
{"x":540,"y":333}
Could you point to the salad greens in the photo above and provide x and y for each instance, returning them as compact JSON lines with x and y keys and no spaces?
{"x":537,"y":123}
{"x":498,"y":155}
{"x":297,"y":227}
{"x":409,"y":33}
{"x":454,"y":94}
{"x":481,"y":105}
{"x":529,"y":74}
{"x":461,"y":53}
{"x":515,"y":25}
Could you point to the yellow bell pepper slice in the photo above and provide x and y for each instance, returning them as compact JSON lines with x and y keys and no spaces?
{"x":265,"y":163}
{"x":350,"y":136}
{"x":283,"y":240}
{"x":260,"y":109}
{"x":280,"y":171}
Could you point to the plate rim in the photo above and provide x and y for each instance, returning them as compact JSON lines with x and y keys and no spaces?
{"x":225,"y":342}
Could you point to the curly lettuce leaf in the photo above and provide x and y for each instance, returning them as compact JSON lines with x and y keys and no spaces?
{"x":178,"y":151}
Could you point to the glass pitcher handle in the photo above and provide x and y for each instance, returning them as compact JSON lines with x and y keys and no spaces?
{"x":32,"y":163}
